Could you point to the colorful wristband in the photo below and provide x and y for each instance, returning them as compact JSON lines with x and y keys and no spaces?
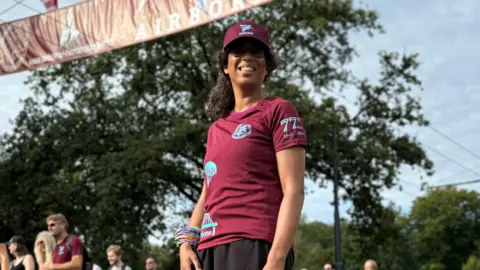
{"x":190,"y":235}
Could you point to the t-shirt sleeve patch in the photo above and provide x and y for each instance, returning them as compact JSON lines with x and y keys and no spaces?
{"x":77,"y":246}
{"x":287,"y":127}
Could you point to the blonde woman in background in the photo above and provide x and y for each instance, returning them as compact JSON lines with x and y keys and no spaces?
{"x":44,"y":247}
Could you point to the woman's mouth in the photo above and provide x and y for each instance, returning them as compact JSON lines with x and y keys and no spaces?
{"x":246,"y":68}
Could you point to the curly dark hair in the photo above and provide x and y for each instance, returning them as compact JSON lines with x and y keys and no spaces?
{"x":221,"y":100}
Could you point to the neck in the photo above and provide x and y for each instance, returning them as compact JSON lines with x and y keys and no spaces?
{"x":118,"y":263}
{"x":246,"y":98}
{"x":61,"y":237}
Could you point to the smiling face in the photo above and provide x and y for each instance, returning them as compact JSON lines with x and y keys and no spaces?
{"x":246,"y":63}
{"x":112,"y":257}
{"x":55,"y":228}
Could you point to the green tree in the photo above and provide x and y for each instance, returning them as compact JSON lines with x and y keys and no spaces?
{"x":433,"y":266}
{"x":389,"y":244}
{"x":473,"y":263}
{"x":165,"y":255}
{"x":444,"y":226}
{"x":112,"y":140}
{"x":313,"y":245}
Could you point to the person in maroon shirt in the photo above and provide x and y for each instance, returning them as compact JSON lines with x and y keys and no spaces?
{"x":64,"y":257}
{"x":254,"y":166}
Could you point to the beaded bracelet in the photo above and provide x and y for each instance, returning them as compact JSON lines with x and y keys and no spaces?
{"x":190,"y":235}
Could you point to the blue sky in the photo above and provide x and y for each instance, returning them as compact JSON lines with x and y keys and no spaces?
{"x":443,"y":32}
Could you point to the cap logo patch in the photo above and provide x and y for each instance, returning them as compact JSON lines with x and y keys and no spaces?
{"x":245,"y":28}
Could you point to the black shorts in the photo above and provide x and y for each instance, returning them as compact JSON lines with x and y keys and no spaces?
{"x":245,"y":254}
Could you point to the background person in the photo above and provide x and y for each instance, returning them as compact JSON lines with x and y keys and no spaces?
{"x":329,"y":266}
{"x":150,"y":264}
{"x":23,"y":260}
{"x":44,"y":247}
{"x":65,"y":257}
{"x":370,"y":265}
{"x":114,"y":255}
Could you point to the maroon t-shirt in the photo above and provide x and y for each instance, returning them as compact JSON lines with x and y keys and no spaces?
{"x":61,"y":254}
{"x":243,"y":189}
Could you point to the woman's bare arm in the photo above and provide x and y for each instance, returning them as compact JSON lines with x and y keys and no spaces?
{"x":198,"y":211}
{"x":4,"y":259}
{"x":28,"y":262}
{"x":291,"y":168}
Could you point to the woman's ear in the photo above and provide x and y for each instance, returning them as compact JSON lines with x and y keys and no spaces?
{"x":225,"y":63}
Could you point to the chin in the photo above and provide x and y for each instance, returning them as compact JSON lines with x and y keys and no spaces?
{"x":249,"y":82}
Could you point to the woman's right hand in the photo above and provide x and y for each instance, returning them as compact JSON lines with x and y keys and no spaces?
{"x":188,"y":257}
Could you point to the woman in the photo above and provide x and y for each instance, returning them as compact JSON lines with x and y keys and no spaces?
{"x":22,"y":258}
{"x":44,"y":247}
{"x":252,"y":197}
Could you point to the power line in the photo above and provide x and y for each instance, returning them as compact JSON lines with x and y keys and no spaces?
{"x":400,"y":180}
{"x":436,"y":151}
{"x":454,"y":142}
{"x":457,"y":173}
{"x":452,"y":160}
{"x":431,"y":148}
{"x":410,"y":183}
{"x":456,"y":184}
{"x":18,"y":2}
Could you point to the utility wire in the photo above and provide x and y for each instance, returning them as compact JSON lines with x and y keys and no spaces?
{"x":436,"y":151}
{"x":452,"y":160}
{"x":18,"y":2}
{"x":456,"y":184}
{"x":455,"y":142}
{"x":457,"y":174}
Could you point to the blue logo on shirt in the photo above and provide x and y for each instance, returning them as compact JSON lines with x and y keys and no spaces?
{"x":242,"y":131}
{"x":210,"y":171}
{"x":61,"y":250}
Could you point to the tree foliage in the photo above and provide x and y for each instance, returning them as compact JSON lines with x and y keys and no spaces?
{"x":440,"y":232}
{"x":111,"y":140}
{"x":473,"y":263}
{"x":445,"y":226}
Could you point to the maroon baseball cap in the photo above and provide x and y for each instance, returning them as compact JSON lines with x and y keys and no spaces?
{"x":246,"y":29}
